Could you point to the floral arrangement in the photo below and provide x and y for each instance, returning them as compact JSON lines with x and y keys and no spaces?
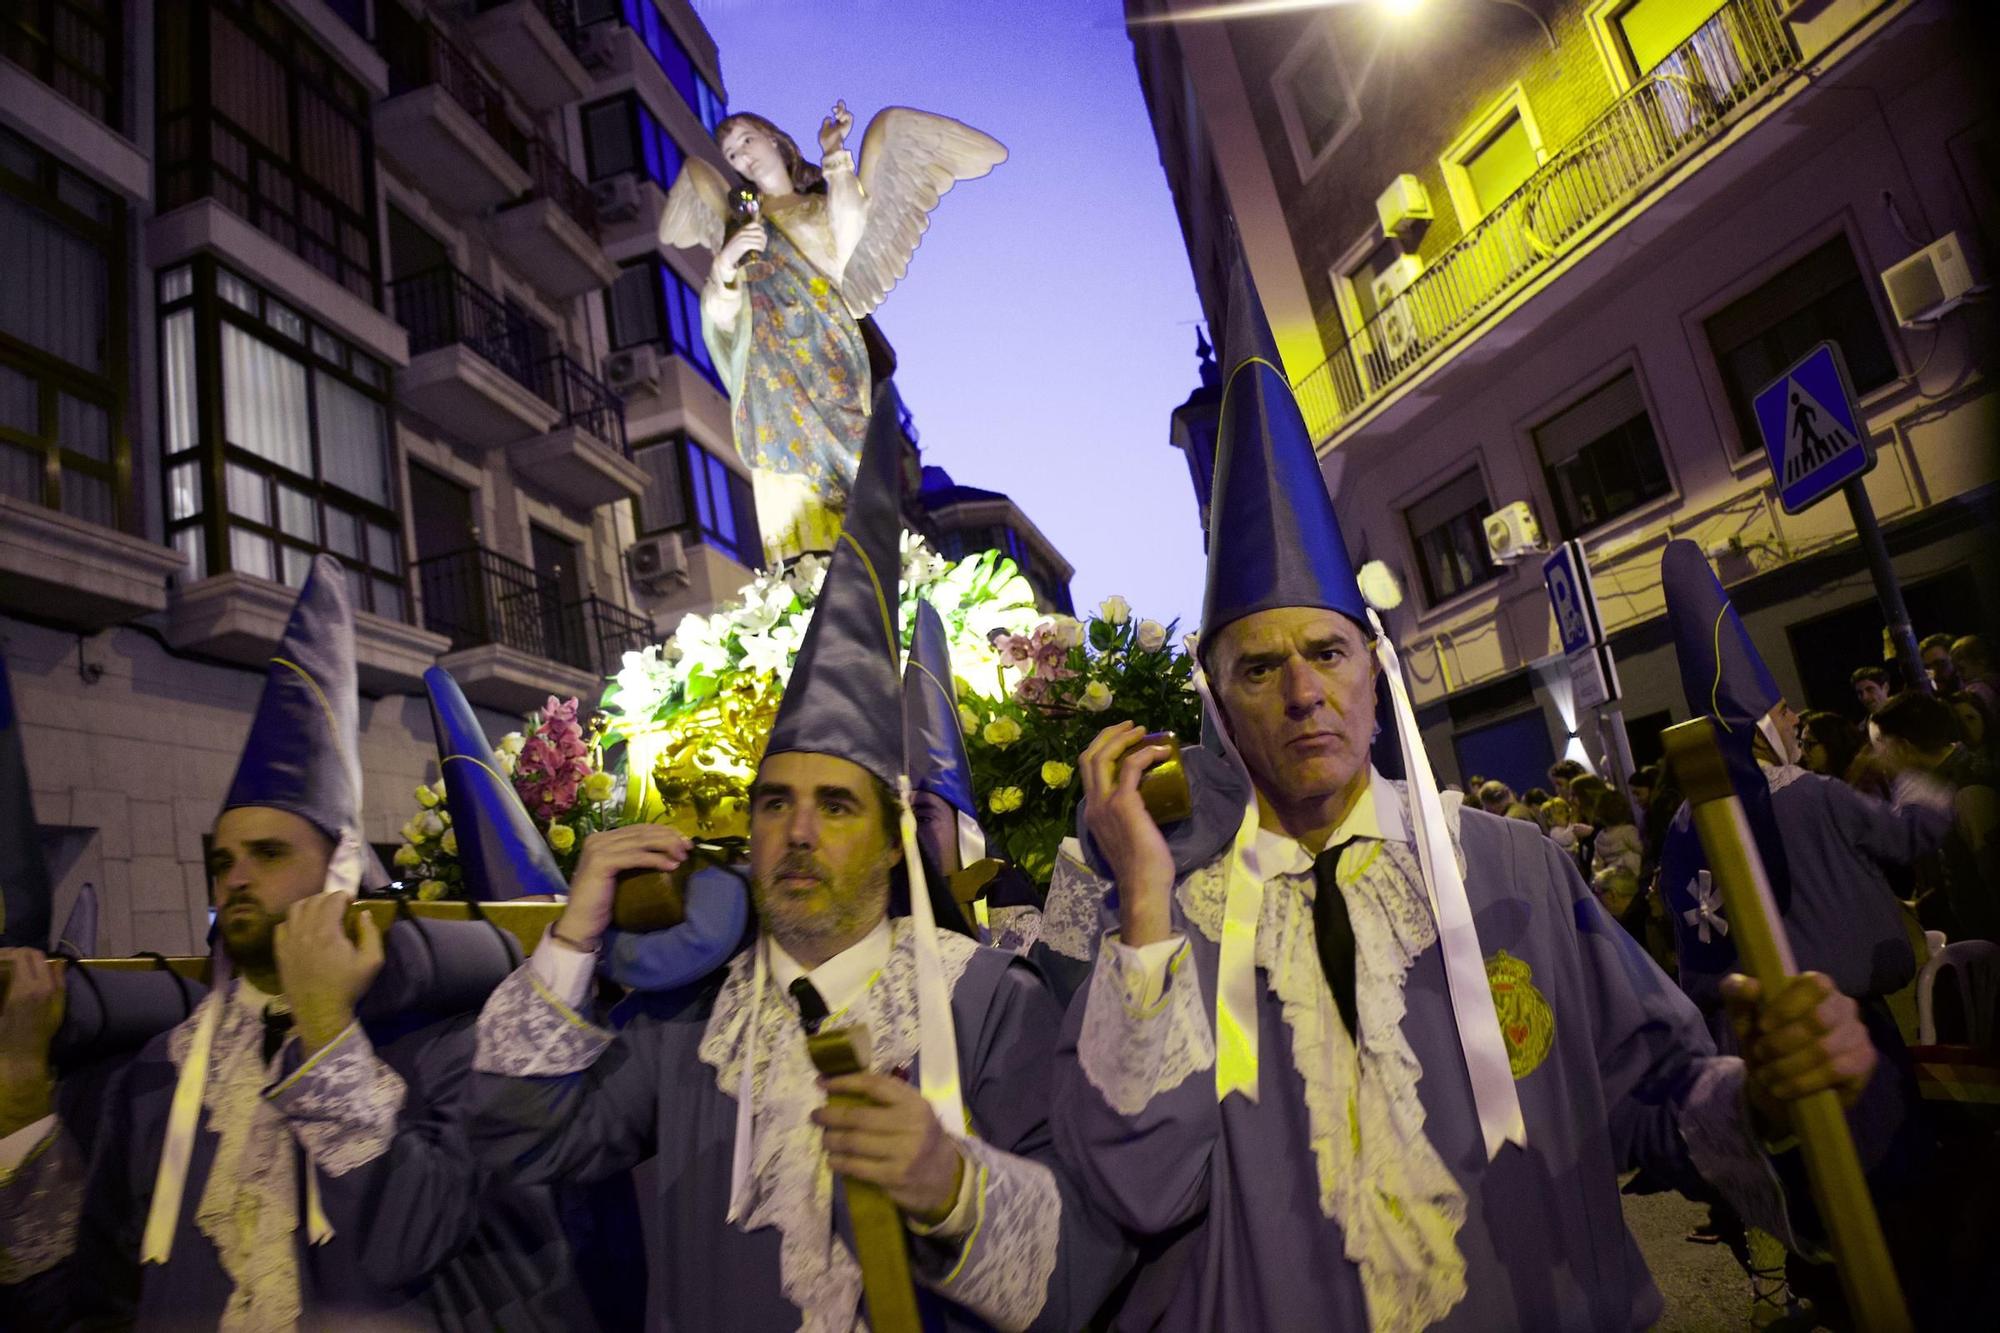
{"x":557,"y":771}
{"x":1069,"y":680}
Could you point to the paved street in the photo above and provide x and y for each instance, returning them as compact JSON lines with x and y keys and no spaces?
{"x":1704,"y":1289}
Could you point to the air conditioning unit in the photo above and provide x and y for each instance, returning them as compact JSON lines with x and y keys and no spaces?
{"x":1404,"y":207}
{"x":1512,"y":533}
{"x":658,"y":563}
{"x":1930,"y":282}
{"x":599,"y":45}
{"x":1395,"y":329}
{"x":634,"y":371}
{"x":617,"y":199}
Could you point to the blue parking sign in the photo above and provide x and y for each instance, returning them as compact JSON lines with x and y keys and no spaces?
{"x":1812,"y":431}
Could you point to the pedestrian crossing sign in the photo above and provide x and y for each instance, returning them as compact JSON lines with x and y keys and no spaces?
{"x":1812,"y":431}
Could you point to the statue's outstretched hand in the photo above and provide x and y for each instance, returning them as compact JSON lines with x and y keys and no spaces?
{"x":833,"y":130}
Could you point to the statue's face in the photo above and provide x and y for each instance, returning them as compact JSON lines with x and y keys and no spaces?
{"x":1297,"y":686}
{"x":755,"y":156}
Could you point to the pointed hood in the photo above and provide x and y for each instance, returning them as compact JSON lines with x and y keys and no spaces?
{"x":931,"y":733}
{"x":302,"y":754}
{"x":1724,"y":678}
{"x":1721,"y":671}
{"x":27,"y":895}
{"x":501,"y":851}
{"x":844,"y":697}
{"x":1273,"y":537}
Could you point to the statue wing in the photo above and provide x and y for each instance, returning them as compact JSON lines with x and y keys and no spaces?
{"x":697,"y":208}
{"x":908,"y":160}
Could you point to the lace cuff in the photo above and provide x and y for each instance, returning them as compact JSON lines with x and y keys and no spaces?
{"x":41,"y":1201}
{"x":1001,"y":1272}
{"x":1715,"y":1125}
{"x":527,"y":1032}
{"x":1132,"y":1050}
{"x":342,"y":1104}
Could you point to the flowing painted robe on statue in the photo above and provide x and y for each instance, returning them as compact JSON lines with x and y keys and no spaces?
{"x":1356,"y":1192}
{"x":417,"y":1233}
{"x":559,"y":1098}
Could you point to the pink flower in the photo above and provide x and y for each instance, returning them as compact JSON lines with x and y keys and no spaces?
{"x":1018,"y":651}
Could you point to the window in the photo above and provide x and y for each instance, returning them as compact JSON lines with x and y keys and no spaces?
{"x":1600,"y":457}
{"x":293,"y":460}
{"x":651,"y":303}
{"x":1822,"y":296}
{"x":1314,"y":100}
{"x":74,"y":46}
{"x":62,"y":338}
{"x":691,"y":491}
{"x":1648,"y":31}
{"x":1494,"y":158}
{"x":644,"y":18}
{"x":620,"y":134}
{"x":269,"y":127}
{"x":1447,"y":530}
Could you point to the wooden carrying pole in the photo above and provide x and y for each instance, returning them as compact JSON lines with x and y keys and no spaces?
{"x":878,"y":1225}
{"x":1874,"y":1297}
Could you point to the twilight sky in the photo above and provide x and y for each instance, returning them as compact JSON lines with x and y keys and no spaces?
{"x":1047,"y":325}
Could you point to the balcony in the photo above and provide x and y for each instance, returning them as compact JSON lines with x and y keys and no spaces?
{"x":446,"y":126}
{"x":552,"y":233}
{"x":515,"y":639}
{"x":240,"y":618}
{"x":586,"y":460}
{"x":1660,"y":125}
{"x":472,"y":361}
{"x":79,"y":574}
{"x":535,"y":42}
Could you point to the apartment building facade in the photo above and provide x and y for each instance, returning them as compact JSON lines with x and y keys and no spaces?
{"x":1548,"y":253}
{"x":371,"y":278}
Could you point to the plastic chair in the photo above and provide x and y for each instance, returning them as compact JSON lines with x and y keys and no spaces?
{"x":1972,"y":1004}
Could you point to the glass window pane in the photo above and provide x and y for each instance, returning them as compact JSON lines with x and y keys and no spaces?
{"x":236,"y":291}
{"x":297,"y":564}
{"x":1653,"y":28}
{"x":183,"y":491}
{"x":248,"y":494}
{"x":607,"y":138}
{"x":1499,"y":166}
{"x":343,"y":532}
{"x":189,"y":542}
{"x":660,"y":505}
{"x":177,"y":369}
{"x":20,"y":408}
{"x":285,"y":320}
{"x":633,"y":312}
{"x":328,"y":346}
{"x":382,"y":548}
{"x":21,"y":473}
{"x":250,"y":553}
{"x":1319,"y":97}
{"x":84,"y":197}
{"x":353,"y":440}
{"x":56,"y":289}
{"x":264,"y":401}
{"x":83,"y":427}
{"x":296,"y":514}
{"x":177,"y":283}
{"x":389,"y":599}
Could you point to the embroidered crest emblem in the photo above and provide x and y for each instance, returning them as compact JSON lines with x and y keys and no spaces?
{"x":1526,"y":1022}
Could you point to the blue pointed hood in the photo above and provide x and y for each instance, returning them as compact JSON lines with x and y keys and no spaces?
{"x":932,"y":738}
{"x":1721,"y":672}
{"x":500,"y":850}
{"x":1273,"y":537}
{"x":845,"y":694}
{"x":302,"y":754}
{"x":27,"y":895}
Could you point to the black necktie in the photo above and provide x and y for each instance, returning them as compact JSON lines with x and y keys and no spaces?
{"x":277,"y":1026}
{"x":812,"y":1009}
{"x":1334,"y":934}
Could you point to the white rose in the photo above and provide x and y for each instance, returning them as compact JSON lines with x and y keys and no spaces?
{"x":511,"y":743}
{"x":1096,"y":696}
{"x":1067,"y":631}
{"x":1114,"y":610}
{"x":1152,"y":636}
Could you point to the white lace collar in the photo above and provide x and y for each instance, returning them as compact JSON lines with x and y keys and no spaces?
{"x":1276,"y":852}
{"x":790,"y":1185}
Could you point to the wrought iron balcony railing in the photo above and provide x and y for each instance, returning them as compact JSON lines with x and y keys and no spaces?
{"x":584,"y":400}
{"x":561,"y":15}
{"x":431,"y":58}
{"x":441,"y":306}
{"x":1648,"y":131}
{"x":555,"y":181}
{"x":477,"y":597}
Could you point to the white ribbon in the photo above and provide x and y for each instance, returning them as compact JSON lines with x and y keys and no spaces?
{"x":1479,"y":1038}
{"x":937,"y":1043}
{"x":971,"y":840}
{"x":1236,"y":961}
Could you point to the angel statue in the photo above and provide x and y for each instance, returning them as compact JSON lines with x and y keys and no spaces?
{"x":817,"y":249}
